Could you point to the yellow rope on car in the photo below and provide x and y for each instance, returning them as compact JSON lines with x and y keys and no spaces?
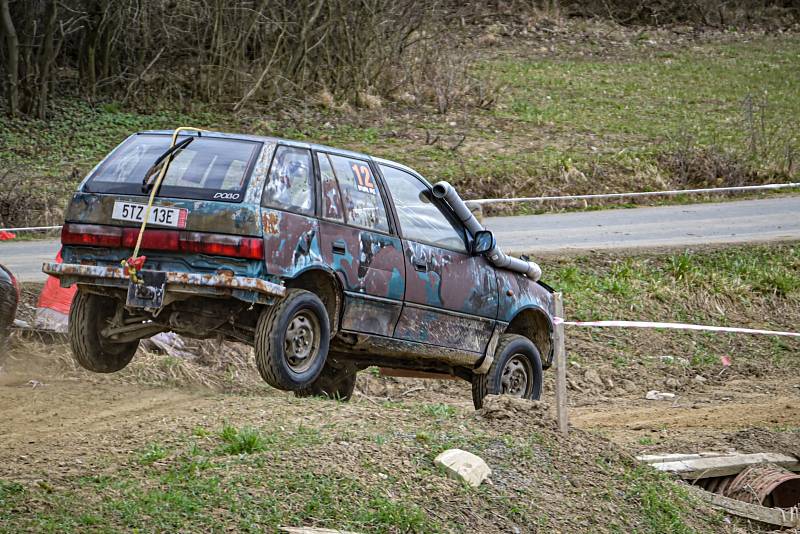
{"x":134,"y":264}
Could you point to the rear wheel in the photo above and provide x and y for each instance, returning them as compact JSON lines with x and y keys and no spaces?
{"x":292,"y":339}
{"x":334,"y":382}
{"x":88,"y":316}
{"x":516,"y":371}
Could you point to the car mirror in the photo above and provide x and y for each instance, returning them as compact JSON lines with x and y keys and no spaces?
{"x":484,"y":242}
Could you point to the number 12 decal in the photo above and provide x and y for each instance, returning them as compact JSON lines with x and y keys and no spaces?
{"x":364,"y":182}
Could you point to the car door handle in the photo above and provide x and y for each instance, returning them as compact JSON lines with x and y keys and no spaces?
{"x":421,"y":266}
{"x":339,"y":247}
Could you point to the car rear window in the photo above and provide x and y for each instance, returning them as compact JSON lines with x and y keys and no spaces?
{"x":208,"y":168}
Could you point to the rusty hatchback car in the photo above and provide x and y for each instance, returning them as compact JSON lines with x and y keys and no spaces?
{"x":325,"y":261}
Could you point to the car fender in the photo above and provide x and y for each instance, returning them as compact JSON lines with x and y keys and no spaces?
{"x":308,"y":278}
{"x":536,"y":323}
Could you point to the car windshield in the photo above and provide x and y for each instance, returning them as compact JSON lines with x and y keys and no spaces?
{"x":208,"y":168}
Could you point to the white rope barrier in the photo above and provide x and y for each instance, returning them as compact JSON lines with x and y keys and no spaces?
{"x":30,"y":228}
{"x":636,"y":194}
{"x":674,"y":326}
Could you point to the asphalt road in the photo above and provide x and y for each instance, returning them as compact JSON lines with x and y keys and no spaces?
{"x":743,"y":221}
{"x":771,"y":219}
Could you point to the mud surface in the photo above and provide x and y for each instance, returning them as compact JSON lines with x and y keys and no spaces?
{"x":62,"y":431}
{"x":56,"y":416}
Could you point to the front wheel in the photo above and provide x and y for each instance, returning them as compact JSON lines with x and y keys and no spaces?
{"x":516,"y":371}
{"x":292,"y":340}
{"x":88,"y":316}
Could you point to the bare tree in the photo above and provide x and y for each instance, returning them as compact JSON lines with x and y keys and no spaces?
{"x":12,"y":58}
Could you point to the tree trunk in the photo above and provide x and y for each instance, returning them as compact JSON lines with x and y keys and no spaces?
{"x":46,"y":58}
{"x":94,"y":24}
{"x":27,"y":32}
{"x":12,"y":59}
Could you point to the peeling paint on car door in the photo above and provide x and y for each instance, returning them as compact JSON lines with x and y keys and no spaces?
{"x":451,"y":296}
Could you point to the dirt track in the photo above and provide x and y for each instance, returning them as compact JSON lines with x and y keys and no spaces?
{"x":76,"y":423}
{"x":699,"y":419}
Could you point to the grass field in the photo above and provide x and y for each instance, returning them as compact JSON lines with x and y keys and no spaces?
{"x":354,"y":475}
{"x":252,"y":458}
{"x":755,"y":286}
{"x":578,"y":116}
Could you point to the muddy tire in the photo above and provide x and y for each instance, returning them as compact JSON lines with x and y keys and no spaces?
{"x":333,"y":382}
{"x":516,"y":371}
{"x":292,"y":338}
{"x":88,"y":315}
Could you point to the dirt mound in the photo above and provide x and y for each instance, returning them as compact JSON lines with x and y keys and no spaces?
{"x":516,"y":413}
{"x":747,"y":440}
{"x":760,"y":440}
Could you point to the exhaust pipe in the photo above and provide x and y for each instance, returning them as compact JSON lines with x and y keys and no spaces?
{"x":447,"y":192}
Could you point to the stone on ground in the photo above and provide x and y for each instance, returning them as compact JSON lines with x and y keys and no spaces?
{"x":658,"y":395}
{"x":463,"y":465}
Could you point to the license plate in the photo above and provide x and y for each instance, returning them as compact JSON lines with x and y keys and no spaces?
{"x":128,"y":211}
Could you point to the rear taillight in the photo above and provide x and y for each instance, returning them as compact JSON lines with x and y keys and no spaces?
{"x":222,"y":245}
{"x":151,"y":240}
{"x":170,"y":240}
{"x":91,"y":234}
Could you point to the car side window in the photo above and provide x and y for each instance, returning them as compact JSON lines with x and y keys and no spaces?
{"x":290,"y":183}
{"x":361,"y":197}
{"x":419,"y":218}
{"x":331,"y":199}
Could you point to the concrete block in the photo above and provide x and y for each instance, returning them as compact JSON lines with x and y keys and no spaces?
{"x":463,"y":465}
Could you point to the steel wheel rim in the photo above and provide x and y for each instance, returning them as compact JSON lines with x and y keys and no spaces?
{"x":517,"y":377}
{"x":301,"y":342}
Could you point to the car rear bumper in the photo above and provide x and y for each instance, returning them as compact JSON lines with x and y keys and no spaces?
{"x":180,"y":281}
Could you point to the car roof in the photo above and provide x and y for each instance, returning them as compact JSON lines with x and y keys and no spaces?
{"x":298,"y":144}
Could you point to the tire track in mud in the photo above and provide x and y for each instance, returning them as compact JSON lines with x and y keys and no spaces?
{"x":74,"y":427}
{"x":776,"y":411}
{"x":76,"y":407}
{"x":774,"y":406}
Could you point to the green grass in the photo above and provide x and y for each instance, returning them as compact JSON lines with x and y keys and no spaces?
{"x":438,"y":410}
{"x":663,"y":503}
{"x":572,"y":125}
{"x":153,"y":453}
{"x":78,"y":135}
{"x":351,"y":473}
{"x":203,"y":487}
{"x":247,"y":478}
{"x":755,"y":286}
{"x":637,"y":287}
{"x":245,"y":440}
{"x":630,"y":107}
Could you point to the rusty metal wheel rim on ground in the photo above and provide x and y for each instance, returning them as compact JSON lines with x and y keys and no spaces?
{"x":301,"y":345}
{"x":516,"y":377}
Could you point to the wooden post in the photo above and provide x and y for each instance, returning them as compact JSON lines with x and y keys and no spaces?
{"x":561,"y":368}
